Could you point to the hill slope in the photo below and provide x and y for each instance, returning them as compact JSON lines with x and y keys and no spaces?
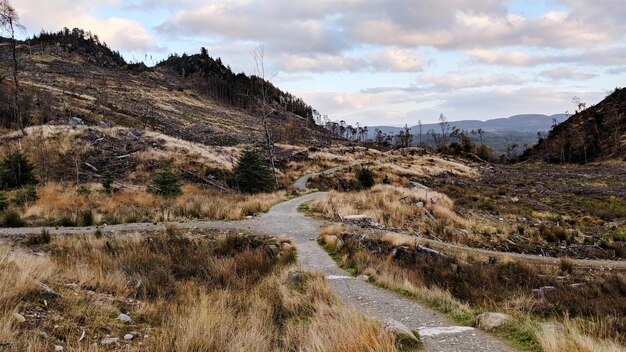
{"x":596,"y":133}
{"x":70,"y":76}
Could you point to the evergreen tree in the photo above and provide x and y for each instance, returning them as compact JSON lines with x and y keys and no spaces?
{"x":164,"y":183}
{"x":365,"y":178}
{"x":16,"y":171}
{"x":253,"y":172}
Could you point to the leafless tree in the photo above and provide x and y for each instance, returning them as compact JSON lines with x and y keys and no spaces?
{"x":419,"y":124}
{"x":258,"y":53}
{"x":10,"y":22}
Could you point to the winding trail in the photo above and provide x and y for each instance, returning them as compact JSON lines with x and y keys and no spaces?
{"x":438,"y":333}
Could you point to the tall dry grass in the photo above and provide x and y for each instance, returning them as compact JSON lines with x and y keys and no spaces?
{"x":391,"y":206}
{"x":224,"y":292}
{"x":62,"y":204}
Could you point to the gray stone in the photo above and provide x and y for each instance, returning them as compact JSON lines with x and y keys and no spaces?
{"x":58,"y":348}
{"x":273,"y":249}
{"x":363,"y":277}
{"x":492,"y":321}
{"x":361,"y":217}
{"x":125,"y":318}
{"x":75,"y":121}
{"x":107,"y":341}
{"x":128,"y":337}
{"x":397,"y":328}
{"x":47,"y":290}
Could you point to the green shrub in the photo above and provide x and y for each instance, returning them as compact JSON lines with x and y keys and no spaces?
{"x":27,"y":194}
{"x":165,"y":184}
{"x":16,"y":171}
{"x":4,"y":202}
{"x":84,"y":190}
{"x":12,"y":218}
{"x":107,"y":180}
{"x":86,"y":218}
{"x":253,"y":173}
{"x":37,"y":240}
{"x":365,"y":178}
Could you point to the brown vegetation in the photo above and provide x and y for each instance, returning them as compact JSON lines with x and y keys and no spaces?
{"x":590,"y":305}
{"x":181,"y":292}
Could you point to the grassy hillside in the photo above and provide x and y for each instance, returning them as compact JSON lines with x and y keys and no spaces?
{"x":71,"y":77}
{"x":596,"y":133}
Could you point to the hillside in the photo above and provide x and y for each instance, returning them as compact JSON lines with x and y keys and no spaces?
{"x":596,"y":133}
{"x":71,"y":77}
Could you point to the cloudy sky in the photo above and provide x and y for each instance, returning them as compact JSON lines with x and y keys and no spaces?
{"x":380,"y":62}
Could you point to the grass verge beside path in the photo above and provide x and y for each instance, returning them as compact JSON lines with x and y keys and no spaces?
{"x":578,"y":312}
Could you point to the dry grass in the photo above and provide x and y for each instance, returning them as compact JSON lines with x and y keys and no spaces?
{"x":183,"y":292}
{"x":58,"y":204}
{"x":391,"y":206}
{"x":462,"y":288}
{"x":570,"y":338}
{"x":402,"y":168}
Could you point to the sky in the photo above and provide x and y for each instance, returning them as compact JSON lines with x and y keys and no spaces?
{"x":379,"y":62}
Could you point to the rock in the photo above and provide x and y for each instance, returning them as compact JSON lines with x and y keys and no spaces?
{"x":58,"y":348}
{"x":420,"y":204}
{"x":540,"y":293}
{"x":397,"y":328}
{"x":491,"y":321}
{"x":363,"y":278}
{"x":19,"y":318}
{"x":292,"y":277}
{"x":75,"y":121}
{"x":128,"y":337}
{"x":361,"y":217}
{"x":273,"y":249}
{"x":125,"y":318}
{"x":413,"y":184}
{"x":107,"y":341}
{"x":47,"y":290}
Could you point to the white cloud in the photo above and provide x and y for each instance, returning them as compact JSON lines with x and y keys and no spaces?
{"x":53,"y":15}
{"x":567,"y":73}
{"x":396,"y":59}
{"x":458,"y":81}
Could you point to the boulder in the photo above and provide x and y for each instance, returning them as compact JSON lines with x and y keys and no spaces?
{"x":397,"y":328}
{"x":125,"y":318}
{"x":492,"y":321}
{"x":128,"y":337}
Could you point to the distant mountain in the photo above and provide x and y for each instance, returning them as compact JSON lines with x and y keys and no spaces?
{"x":596,"y":133}
{"x":498,"y":133}
{"x":530,"y":123}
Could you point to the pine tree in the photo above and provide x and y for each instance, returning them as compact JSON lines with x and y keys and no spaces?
{"x":253,"y":172}
{"x":164,"y":183}
{"x":16,"y":171}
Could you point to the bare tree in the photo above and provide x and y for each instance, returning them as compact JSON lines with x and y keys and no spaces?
{"x":258,"y":53}
{"x":10,"y":22}
{"x":419,"y":125}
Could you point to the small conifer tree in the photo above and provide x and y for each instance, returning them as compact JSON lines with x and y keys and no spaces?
{"x":164,"y":183}
{"x":253,"y":172}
